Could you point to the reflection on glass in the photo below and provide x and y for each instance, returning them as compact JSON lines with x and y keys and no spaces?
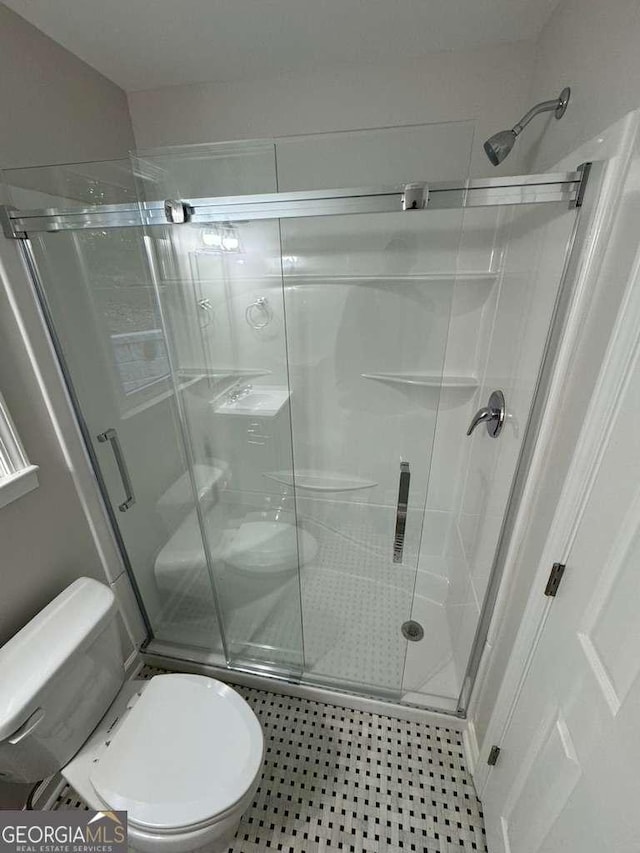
{"x":102,"y":301}
{"x":221,"y":295}
{"x":220,"y":290}
{"x":268,"y":379}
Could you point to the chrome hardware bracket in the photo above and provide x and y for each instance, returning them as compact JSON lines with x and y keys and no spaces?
{"x":9,"y":228}
{"x":111,"y":436}
{"x":415,"y":196}
{"x":584,"y":170}
{"x":401,"y":512}
{"x":177,"y":212}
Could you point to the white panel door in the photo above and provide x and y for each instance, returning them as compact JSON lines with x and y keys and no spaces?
{"x":568,"y":775}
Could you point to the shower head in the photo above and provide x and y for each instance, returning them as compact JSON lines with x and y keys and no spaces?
{"x":498,"y":146}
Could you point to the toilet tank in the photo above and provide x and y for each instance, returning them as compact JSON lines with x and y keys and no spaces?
{"x":58,"y":676}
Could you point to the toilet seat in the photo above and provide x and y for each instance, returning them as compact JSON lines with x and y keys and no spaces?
{"x":185,"y":756}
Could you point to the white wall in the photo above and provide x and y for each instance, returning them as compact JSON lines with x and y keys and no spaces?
{"x":490,"y":84}
{"x":56,"y":108}
{"x":587,"y":44}
{"x":591,"y":46}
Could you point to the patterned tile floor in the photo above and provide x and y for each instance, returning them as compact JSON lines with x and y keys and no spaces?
{"x":336,"y":779}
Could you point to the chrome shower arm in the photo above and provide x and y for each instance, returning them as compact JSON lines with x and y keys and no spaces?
{"x":498,"y":146}
{"x":542,"y":107}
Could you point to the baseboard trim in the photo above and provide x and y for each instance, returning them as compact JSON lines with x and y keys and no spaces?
{"x":471,"y":751}
{"x":306,"y":691}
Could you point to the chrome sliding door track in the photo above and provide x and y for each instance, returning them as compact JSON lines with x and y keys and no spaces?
{"x":413,"y":198}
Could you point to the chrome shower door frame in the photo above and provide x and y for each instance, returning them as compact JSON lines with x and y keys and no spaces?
{"x":479,"y":192}
{"x":569,"y":187}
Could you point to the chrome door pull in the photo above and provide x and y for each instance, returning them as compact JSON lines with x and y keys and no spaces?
{"x":493,"y":415}
{"x":401,"y":512}
{"x":111,"y":436}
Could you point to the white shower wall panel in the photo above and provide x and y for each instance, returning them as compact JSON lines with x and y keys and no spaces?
{"x":536,"y":244}
{"x":342,"y":334}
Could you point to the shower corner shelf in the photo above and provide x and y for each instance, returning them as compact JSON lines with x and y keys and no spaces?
{"x":218,"y":373}
{"x":470,"y":277}
{"x":424,"y":380}
{"x":320,"y":481}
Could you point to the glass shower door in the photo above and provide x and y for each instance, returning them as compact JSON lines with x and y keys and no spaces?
{"x":368,"y":302}
{"x":319,"y":400}
{"x":275,"y":393}
{"x":102,"y":306}
{"x":220,"y":291}
{"x":321,"y":340}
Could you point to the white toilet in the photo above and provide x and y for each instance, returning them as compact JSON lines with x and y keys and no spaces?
{"x":180,"y":753}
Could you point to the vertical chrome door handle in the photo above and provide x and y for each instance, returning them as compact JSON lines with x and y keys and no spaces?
{"x":401,"y":512}
{"x":493,"y":415}
{"x":111,"y":436}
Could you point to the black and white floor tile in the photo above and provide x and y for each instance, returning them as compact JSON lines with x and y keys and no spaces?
{"x":337,"y":779}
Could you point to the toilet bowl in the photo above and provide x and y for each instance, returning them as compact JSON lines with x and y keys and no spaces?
{"x":180,"y":753}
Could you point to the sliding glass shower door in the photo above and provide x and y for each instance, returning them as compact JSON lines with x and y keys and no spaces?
{"x":324,"y":339}
{"x":275,"y":387}
{"x":226,"y":327}
{"x":97,"y":291}
{"x":368,"y":302}
{"x":220,"y":294}
{"x":147,"y":323}
{"x":317,"y":371}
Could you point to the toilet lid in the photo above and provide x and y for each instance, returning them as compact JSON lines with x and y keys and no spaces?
{"x":188,"y":751}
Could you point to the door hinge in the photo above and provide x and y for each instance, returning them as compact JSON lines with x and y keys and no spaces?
{"x":493,"y":756}
{"x":554,"y":579}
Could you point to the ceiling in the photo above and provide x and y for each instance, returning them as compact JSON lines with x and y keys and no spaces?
{"x":145,"y":44}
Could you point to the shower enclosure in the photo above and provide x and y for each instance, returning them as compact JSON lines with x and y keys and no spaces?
{"x":275,"y":375}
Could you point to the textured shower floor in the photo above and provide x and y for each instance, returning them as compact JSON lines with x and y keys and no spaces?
{"x":336,"y":779}
{"x":350,"y":604}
